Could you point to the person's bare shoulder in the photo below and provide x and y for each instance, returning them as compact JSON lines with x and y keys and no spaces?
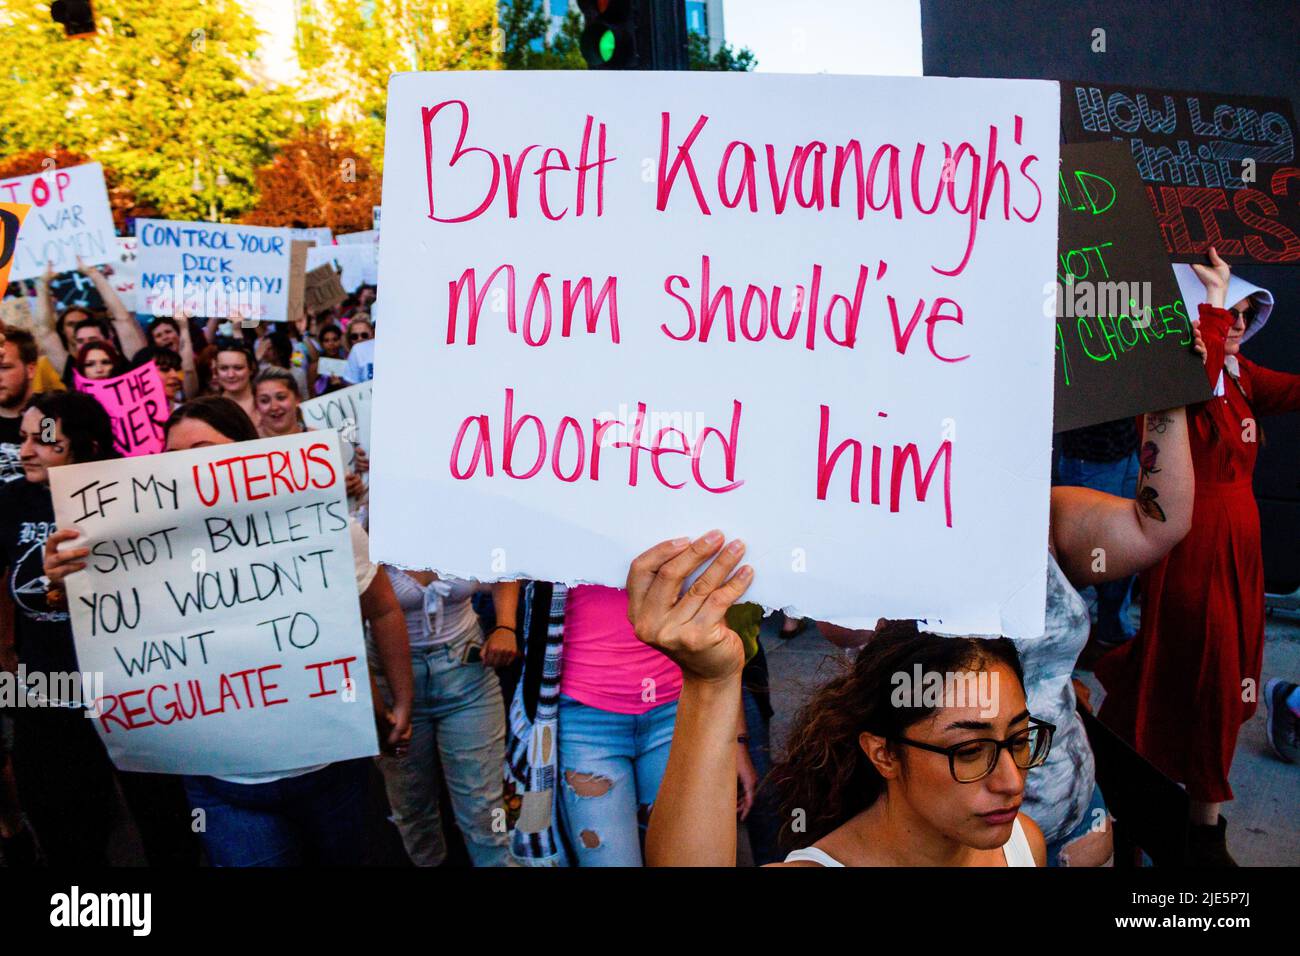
{"x":1037,"y":843}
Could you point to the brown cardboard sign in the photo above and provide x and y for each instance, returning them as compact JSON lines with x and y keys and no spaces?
{"x":323,"y":289}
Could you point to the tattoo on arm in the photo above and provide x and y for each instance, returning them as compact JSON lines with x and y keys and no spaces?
{"x":1147,"y":456}
{"x":1158,"y":422}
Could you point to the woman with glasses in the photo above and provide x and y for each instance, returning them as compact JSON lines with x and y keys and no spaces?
{"x":361,"y":350}
{"x":878,"y":772}
{"x":360,"y":330}
{"x":1093,"y":537}
{"x":1177,"y":691}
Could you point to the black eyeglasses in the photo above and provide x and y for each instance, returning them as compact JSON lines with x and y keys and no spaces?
{"x":358,"y":336}
{"x":1246,"y":315}
{"x":973,"y":760}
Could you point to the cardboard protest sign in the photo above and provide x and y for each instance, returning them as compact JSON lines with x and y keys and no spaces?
{"x":137,"y":404}
{"x":215,"y":269}
{"x":1123,"y":335}
{"x":70,"y":217}
{"x":347,"y":412}
{"x":12,"y":215}
{"x":220,"y":605}
{"x":358,"y":263}
{"x":723,"y":301}
{"x":323,"y":289}
{"x":1220,"y":168}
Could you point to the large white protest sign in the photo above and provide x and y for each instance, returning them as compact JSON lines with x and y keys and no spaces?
{"x":807,"y":310}
{"x":346,"y":411}
{"x":216,"y":269}
{"x":220,"y":605}
{"x":358,"y":262}
{"x":70,"y":217}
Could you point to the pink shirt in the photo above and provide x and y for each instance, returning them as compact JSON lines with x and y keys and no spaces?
{"x":604,"y":665}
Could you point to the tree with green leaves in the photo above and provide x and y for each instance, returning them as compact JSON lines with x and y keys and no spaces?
{"x":529,"y":44}
{"x":726,"y":58}
{"x":166,"y":93}
{"x":349,"y":50}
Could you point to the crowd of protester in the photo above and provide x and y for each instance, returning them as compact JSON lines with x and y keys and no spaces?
{"x":550,"y":720}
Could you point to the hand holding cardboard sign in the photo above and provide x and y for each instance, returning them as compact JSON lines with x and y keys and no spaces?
{"x":1215,"y":279}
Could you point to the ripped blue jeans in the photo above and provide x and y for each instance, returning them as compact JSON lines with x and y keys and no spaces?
{"x":610,"y":768}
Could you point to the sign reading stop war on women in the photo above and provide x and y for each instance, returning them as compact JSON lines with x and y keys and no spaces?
{"x":70,"y":217}
{"x":1221,"y":169}
{"x":220,"y":604}
{"x":1123,"y":339}
{"x":215,"y":269}
{"x":628,"y":307}
{"x":136,"y":403}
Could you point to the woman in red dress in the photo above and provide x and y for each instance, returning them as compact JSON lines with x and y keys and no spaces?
{"x":1180,"y":691}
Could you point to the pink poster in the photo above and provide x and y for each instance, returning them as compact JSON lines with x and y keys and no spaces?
{"x":137,"y":404}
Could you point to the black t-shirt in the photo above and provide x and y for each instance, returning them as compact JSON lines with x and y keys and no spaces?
{"x":43,"y":636}
{"x":10,"y":469}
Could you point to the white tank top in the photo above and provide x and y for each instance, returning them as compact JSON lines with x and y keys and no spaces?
{"x":1016,"y":850}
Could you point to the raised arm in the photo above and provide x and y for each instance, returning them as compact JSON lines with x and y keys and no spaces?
{"x":47,"y":335}
{"x":693,"y":822}
{"x":129,"y":333}
{"x":1100,"y":537}
{"x":189,"y":370}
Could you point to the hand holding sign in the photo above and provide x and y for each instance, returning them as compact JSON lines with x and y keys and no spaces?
{"x":60,"y":562}
{"x":690,"y":627}
{"x":1215,"y":278}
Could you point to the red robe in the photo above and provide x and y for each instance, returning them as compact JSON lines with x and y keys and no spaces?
{"x":1175,"y":692}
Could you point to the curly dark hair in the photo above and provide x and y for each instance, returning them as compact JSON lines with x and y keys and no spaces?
{"x":86,"y":425}
{"x":825,"y":773}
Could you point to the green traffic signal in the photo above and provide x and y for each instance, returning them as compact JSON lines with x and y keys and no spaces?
{"x":607,"y":43}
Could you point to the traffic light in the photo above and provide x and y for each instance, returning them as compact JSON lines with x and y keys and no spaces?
{"x":608,"y":40}
{"x":77,"y":17}
{"x":634,"y":34}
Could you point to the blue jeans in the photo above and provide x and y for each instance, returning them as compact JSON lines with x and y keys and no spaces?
{"x":1090,"y":843}
{"x":611,"y":765}
{"x":458,"y":734}
{"x":314,"y":819}
{"x":764,"y":821}
{"x":1115,"y":478}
